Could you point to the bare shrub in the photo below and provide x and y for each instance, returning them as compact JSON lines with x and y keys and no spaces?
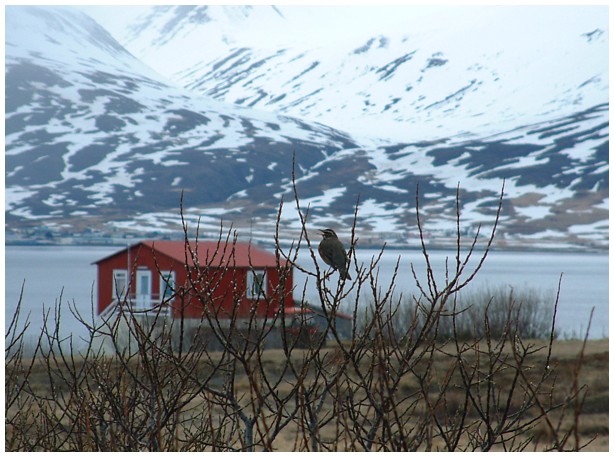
{"x":410,"y":378}
{"x":529,"y":308}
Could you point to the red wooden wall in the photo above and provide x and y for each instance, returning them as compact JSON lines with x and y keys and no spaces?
{"x":221,"y":288}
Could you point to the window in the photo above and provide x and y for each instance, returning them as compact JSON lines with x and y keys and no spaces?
{"x":167,"y":285}
{"x":120,"y":284}
{"x":256,"y":284}
{"x":143,"y":289}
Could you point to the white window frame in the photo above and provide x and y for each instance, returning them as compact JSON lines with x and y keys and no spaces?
{"x":254,"y":291}
{"x":118,"y":277}
{"x":167,"y":285}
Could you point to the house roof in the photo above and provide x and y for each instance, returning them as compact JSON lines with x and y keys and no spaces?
{"x":211,"y":253}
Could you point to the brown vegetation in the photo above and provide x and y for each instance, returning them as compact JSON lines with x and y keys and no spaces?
{"x":401,"y":383}
{"x":82,"y":421}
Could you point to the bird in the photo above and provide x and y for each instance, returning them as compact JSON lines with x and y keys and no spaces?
{"x":333,"y":253}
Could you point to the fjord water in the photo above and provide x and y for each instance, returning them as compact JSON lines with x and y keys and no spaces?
{"x":52,"y":271}
{"x":584,"y":281}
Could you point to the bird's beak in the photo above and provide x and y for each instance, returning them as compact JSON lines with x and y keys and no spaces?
{"x":321,"y":232}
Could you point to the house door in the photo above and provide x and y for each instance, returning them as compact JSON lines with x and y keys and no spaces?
{"x":143,"y":289}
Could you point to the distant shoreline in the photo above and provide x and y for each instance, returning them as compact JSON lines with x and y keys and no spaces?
{"x":433,"y":247}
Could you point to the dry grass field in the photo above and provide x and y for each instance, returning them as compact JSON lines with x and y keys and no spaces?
{"x":594,"y":420}
{"x":592,"y":430}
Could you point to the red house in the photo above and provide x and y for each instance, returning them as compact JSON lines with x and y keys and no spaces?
{"x":231,"y":279}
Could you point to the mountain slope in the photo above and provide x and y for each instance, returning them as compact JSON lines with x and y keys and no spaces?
{"x":105,"y":136}
{"x":96,"y":140}
{"x":465,"y":70}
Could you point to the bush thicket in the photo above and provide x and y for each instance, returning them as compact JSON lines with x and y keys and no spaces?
{"x":448,"y":372}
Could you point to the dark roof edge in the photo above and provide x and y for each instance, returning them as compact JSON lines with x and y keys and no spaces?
{"x":116,"y":253}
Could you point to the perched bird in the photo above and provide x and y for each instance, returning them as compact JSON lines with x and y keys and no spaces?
{"x":333,"y":253}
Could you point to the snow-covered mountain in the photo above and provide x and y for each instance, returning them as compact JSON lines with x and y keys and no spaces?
{"x":404,"y":73}
{"x":92,"y":131}
{"x":97,"y":139}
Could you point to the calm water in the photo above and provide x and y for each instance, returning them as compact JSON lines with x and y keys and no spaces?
{"x":50,"y":272}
